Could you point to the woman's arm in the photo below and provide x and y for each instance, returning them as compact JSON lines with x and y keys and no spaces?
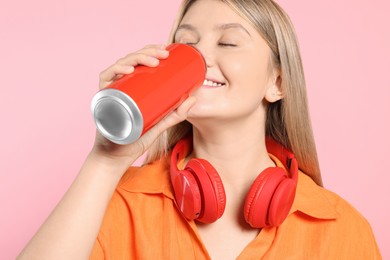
{"x":71,"y":229}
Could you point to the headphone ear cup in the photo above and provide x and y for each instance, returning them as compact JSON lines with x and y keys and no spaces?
{"x":259,"y":198}
{"x":212,"y":192}
{"x":282,"y":202}
{"x":187,"y":194}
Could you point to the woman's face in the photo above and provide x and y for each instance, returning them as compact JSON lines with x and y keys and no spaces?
{"x":237,"y":58}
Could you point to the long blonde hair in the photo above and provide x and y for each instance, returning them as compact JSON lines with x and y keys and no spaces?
{"x":288,"y":120}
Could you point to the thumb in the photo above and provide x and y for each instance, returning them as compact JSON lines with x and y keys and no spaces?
{"x":178,"y":115}
{"x":181,"y":113}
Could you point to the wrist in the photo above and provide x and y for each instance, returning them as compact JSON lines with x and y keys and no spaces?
{"x":115,"y":166}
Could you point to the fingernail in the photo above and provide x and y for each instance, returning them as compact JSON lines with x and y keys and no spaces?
{"x":153,"y":60}
{"x":129,"y":69}
{"x":164,"y":52}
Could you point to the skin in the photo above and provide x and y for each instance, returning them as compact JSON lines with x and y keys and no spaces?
{"x":79,"y":214}
{"x":228,"y":126}
{"x":229,"y":120}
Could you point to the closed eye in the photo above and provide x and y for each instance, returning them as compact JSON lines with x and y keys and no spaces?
{"x":224,"y":44}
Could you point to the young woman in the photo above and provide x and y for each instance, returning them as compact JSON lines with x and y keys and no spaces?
{"x":240,"y":202}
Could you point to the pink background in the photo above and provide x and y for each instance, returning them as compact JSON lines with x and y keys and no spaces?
{"x":51,"y":53}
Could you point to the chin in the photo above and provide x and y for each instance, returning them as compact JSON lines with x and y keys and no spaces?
{"x":203,"y":111}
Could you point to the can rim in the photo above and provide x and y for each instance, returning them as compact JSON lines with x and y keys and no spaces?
{"x":131,"y":113}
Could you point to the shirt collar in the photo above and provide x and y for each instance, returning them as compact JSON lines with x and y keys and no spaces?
{"x":313,"y":200}
{"x":154,"y":178}
{"x":310,"y":198}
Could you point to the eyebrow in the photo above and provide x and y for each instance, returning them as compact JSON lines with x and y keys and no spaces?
{"x":221,"y":27}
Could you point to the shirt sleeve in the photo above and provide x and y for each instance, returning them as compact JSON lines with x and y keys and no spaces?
{"x":368,"y":243}
{"x":355,"y":236}
{"x":97,"y":251}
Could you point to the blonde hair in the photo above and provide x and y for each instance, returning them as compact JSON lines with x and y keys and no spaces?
{"x":288,"y":120}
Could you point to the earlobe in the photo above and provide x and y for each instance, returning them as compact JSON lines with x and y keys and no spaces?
{"x":274,"y":92}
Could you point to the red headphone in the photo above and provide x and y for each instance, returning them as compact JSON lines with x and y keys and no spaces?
{"x":200,"y":194}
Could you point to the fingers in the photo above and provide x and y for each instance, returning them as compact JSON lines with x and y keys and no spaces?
{"x":179,"y":115}
{"x":129,"y":153}
{"x":148,"y":56}
{"x":173,"y":118}
{"x":113,"y":73}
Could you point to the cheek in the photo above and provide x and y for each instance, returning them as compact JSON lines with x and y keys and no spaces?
{"x":246,"y":72}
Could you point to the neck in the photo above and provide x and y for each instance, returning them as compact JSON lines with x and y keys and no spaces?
{"x":237,"y":152}
{"x":239,"y":155}
{"x":236,"y":148}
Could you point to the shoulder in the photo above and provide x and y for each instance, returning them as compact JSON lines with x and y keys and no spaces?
{"x":143,"y":214}
{"x":146,"y":187}
{"x":345,"y":210}
{"x":322,"y":203}
{"x":346,"y":213}
{"x":351,"y":223}
{"x":335,"y":219}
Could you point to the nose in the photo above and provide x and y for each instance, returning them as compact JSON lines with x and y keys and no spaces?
{"x":207,"y":53}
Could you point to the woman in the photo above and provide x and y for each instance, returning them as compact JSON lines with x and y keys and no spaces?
{"x":254,"y":88}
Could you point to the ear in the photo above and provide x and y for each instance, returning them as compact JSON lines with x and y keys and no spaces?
{"x":274,"y":91}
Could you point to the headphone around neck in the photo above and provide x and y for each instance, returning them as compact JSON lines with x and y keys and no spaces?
{"x":200,"y":194}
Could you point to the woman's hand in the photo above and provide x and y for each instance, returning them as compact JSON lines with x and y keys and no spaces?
{"x":127,"y":154}
{"x":70,"y":231}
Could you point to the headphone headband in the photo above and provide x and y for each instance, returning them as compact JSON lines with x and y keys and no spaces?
{"x":284,"y":155}
{"x":182,"y":148}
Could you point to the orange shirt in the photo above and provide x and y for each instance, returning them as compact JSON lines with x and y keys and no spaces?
{"x":142,"y":222}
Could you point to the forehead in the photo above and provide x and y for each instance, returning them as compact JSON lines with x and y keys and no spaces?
{"x":213,"y":12}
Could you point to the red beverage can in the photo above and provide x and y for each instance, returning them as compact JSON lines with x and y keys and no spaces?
{"x":131,"y":105}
